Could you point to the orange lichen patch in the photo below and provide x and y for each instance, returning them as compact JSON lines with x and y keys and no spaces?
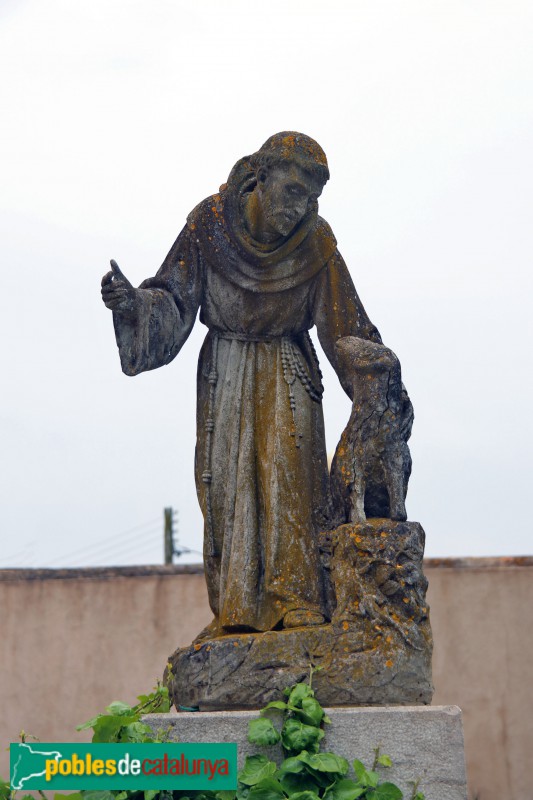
{"x":192,"y":226}
{"x":235,"y":644}
{"x":388,"y":663}
{"x":208,"y":648}
{"x":389,"y":639}
{"x":405,"y":599}
{"x":182,"y":263}
{"x":358,"y":539}
{"x":345,"y":625}
{"x":197,"y":646}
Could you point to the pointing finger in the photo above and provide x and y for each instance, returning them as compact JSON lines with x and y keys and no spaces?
{"x":115,"y":268}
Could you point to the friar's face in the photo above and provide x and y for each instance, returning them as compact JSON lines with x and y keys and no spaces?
{"x":285,"y":192}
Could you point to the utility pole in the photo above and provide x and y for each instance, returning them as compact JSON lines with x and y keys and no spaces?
{"x":169,"y":535}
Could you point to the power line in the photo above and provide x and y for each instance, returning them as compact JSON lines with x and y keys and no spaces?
{"x":112,"y":547}
{"x":124,"y":546}
{"x":114,"y":539}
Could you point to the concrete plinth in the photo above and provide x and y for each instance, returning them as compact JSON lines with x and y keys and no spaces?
{"x":424,"y":743}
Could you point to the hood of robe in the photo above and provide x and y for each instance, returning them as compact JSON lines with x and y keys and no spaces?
{"x":226,"y":245}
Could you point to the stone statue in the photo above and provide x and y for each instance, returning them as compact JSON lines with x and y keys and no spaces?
{"x":264,"y":268}
{"x":372,"y":463}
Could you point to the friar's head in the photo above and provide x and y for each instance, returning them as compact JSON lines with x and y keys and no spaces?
{"x":291,"y":170}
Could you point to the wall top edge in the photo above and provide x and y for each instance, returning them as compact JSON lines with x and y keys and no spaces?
{"x":167,"y":570}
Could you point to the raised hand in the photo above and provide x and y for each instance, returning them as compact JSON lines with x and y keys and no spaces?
{"x":117,"y":292}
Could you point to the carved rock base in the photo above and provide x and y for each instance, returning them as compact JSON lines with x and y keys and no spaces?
{"x":250,"y":670}
{"x":376,"y":651}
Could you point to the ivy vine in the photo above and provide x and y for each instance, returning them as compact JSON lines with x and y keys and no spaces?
{"x":304,"y":773}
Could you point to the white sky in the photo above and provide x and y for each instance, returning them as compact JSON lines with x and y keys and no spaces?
{"x":117,"y":118}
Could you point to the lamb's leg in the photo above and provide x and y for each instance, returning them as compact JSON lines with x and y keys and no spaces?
{"x":357,"y":499}
{"x":394,"y":478}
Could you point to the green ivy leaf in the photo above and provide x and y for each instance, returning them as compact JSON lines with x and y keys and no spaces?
{"x":256,"y":768}
{"x":59,"y":796}
{"x":325,"y":762}
{"x":298,"y":693}
{"x":366,"y":777}
{"x":303,"y":781}
{"x":90,"y":723}
{"x":385,"y":791}
{"x":345,"y":789}
{"x":226,"y":794}
{"x":136,"y":732}
{"x":372,"y":778}
{"x":98,"y":795}
{"x":268,"y":789}
{"x":149,"y":794}
{"x":107,"y":728}
{"x":297,"y":736}
{"x":385,"y":761}
{"x":277,"y":704}
{"x":291,"y":764}
{"x":311,"y":711}
{"x":118,"y":709}
{"x":307,"y":795}
{"x":262,"y":732}
{"x":322,"y":779}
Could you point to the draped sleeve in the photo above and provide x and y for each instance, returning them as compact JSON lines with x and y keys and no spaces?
{"x":338,"y":311}
{"x":165,"y":312}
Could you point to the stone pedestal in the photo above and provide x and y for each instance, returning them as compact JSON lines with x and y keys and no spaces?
{"x":424,"y":743}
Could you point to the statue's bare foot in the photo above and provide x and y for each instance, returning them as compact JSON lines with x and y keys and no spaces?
{"x":301,"y":617}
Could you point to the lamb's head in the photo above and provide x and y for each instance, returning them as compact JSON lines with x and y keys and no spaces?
{"x":361,"y":356}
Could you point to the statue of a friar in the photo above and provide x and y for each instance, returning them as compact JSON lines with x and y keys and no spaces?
{"x":263,"y":268}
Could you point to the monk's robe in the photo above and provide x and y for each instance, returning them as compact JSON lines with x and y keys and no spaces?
{"x":261,"y":468}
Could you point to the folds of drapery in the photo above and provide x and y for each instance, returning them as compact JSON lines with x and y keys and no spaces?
{"x":267,"y":485}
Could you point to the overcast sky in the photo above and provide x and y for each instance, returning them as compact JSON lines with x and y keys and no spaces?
{"x":117,"y":118}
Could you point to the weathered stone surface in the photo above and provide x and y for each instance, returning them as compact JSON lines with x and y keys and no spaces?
{"x":376,"y":650}
{"x":372,"y":463}
{"x":424,"y":743}
{"x":263,"y":268}
{"x":248,"y":670}
{"x":377,"y":576}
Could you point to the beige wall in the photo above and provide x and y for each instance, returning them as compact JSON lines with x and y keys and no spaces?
{"x":73,"y":640}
